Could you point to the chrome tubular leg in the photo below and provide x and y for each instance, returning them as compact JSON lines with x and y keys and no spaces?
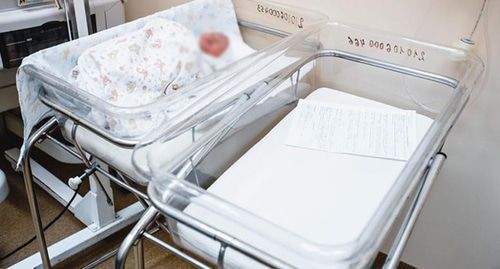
{"x":121,"y":257}
{"x":139,"y":254}
{"x":392,"y":260}
{"x":100,"y":260}
{"x":30,"y":192}
{"x":175,"y":251}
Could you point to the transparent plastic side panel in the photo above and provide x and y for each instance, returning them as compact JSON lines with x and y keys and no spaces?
{"x":280,"y":19}
{"x":195,"y":162}
{"x":412,"y":92}
{"x":189,"y":204}
{"x":225,"y":95}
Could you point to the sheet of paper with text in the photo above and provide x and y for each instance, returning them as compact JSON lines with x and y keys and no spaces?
{"x":356,"y":130}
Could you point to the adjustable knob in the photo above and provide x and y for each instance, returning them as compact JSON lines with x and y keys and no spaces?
{"x":74,"y":182}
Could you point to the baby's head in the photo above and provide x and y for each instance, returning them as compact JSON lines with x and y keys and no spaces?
{"x":214,"y":43}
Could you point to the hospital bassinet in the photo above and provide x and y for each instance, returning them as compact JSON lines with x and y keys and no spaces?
{"x":50,"y":68}
{"x":46,"y":92}
{"x":238,"y":197}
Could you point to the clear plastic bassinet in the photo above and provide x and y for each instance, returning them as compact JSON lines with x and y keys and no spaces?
{"x":45,"y":84}
{"x":237,"y":196}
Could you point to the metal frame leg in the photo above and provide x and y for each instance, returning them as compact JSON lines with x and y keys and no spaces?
{"x":139,"y":254}
{"x":394,"y":256}
{"x":88,"y":236}
{"x":30,"y":192}
{"x":131,"y":238}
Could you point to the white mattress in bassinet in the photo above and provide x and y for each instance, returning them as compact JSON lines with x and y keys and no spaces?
{"x":327,"y":198}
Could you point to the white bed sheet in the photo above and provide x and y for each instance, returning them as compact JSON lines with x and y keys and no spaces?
{"x":327,"y":198}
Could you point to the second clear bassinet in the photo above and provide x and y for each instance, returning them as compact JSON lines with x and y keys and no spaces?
{"x":238,"y":196}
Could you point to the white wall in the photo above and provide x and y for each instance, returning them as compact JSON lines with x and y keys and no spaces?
{"x":459,"y":227}
{"x":460,"y":224}
{"x":138,"y":8}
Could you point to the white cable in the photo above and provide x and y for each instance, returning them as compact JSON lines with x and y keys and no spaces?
{"x":464,"y":43}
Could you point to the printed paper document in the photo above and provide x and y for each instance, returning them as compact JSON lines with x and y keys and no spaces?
{"x":356,"y":130}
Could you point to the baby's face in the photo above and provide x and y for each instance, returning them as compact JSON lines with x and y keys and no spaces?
{"x":213,"y":43}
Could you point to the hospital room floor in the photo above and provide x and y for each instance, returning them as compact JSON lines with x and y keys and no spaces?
{"x":16,"y":226}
